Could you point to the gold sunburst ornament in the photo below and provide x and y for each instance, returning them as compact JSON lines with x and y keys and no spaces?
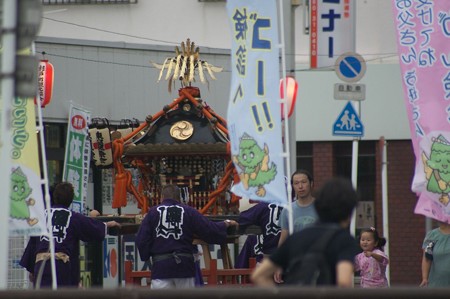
{"x":186,"y":65}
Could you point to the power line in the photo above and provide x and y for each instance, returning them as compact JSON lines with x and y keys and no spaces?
{"x":111,"y":32}
{"x":44,"y":53}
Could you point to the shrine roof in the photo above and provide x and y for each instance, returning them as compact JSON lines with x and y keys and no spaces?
{"x":184,"y":129}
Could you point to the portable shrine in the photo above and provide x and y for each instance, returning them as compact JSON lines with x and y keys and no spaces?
{"x":186,"y":143}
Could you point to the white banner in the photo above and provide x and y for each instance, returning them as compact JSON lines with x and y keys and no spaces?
{"x":78,"y":156}
{"x":254,"y":121}
{"x":332,"y":31}
{"x":27,"y":210}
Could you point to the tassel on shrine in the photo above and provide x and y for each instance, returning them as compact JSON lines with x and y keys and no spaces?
{"x":120,"y":191}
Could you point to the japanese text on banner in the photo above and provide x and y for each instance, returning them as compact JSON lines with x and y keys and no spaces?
{"x":254,"y":121}
{"x":78,"y":156}
{"x":423,"y":36}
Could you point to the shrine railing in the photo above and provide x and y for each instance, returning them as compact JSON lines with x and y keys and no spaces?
{"x":211,"y":276}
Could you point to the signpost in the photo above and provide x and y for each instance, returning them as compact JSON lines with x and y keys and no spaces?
{"x":350,"y":67}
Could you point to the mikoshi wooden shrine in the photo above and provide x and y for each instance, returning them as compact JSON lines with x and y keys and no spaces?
{"x":185,"y":143}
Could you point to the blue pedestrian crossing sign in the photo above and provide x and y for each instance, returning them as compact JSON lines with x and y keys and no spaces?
{"x":348,"y":123}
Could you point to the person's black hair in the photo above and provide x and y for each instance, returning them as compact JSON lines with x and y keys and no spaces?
{"x":63,"y":194}
{"x":380,"y":241}
{"x":336,"y":200}
{"x":170,"y":191}
{"x":301,"y":171}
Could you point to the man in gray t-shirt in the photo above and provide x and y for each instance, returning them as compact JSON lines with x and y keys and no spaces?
{"x":303,"y":216}
{"x":303,"y":211}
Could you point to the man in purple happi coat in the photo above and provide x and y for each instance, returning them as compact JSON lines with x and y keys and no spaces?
{"x":266,"y":216}
{"x":166,"y":235}
{"x":68,"y":228}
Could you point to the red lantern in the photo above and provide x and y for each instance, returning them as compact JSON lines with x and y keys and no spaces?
{"x":291,"y":95}
{"x":45,"y":83}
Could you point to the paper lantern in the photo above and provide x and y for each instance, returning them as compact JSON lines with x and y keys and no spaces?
{"x":291,"y":95}
{"x":45,"y":83}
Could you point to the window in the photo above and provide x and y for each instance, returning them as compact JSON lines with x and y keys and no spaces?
{"x":366,"y":165}
{"x":365,"y":211}
{"x":55,"y":139}
{"x":305,"y":157}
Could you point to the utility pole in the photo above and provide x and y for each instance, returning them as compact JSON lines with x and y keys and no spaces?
{"x":8,"y":34}
{"x":20,"y":24}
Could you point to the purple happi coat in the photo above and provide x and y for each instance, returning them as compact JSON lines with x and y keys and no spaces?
{"x":251,"y":248}
{"x":266,"y":216}
{"x":170,"y":228}
{"x":68,"y":229}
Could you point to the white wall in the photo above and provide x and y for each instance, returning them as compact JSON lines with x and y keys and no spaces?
{"x":375,"y":31}
{"x":383,"y":112}
{"x":149,"y":21}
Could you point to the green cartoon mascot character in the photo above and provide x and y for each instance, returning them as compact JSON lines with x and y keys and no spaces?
{"x":437,"y":168}
{"x":20,"y":191}
{"x":254,"y":164}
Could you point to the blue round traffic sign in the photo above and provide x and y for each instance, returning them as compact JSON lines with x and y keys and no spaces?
{"x":350,"y":67}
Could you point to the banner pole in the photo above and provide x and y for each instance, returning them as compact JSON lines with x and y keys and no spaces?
{"x":355,"y":154}
{"x":286,"y":153}
{"x":385,"y":201}
{"x":44,"y":181}
{"x":7,"y":95}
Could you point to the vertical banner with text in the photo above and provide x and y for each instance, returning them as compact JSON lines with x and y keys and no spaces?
{"x":27,"y":209}
{"x":78,"y":156}
{"x":332,"y":31}
{"x":254,"y":121}
{"x":423,"y":39}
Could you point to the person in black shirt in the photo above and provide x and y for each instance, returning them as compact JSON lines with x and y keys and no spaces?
{"x":334,"y":204}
